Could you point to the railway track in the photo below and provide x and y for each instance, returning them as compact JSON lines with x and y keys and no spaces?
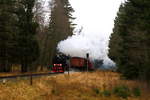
{"x":27,"y":75}
{"x":30,"y":76}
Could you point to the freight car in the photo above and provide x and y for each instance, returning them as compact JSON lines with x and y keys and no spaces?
{"x":81,"y":63}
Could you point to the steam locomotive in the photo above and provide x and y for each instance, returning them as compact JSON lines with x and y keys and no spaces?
{"x":62,"y":63}
{"x":59,"y":63}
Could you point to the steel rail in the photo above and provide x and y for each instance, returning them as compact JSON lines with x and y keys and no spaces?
{"x":28,"y":75}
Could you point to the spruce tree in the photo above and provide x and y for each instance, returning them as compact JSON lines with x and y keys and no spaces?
{"x":28,"y":49}
{"x":60,"y":27}
{"x":129,"y":43}
{"x":7,"y":34}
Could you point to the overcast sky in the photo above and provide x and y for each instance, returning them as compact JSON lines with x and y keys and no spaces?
{"x":96,"y":16}
{"x":97,"y":19}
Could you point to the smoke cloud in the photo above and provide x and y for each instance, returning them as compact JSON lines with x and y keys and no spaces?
{"x":97,"y":18}
{"x":79,"y":45}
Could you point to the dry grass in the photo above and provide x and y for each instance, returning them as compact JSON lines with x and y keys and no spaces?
{"x":4,"y":74}
{"x":78,"y":86}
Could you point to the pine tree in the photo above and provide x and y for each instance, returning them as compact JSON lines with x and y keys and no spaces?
{"x":28,"y":49}
{"x":18,"y":44}
{"x":60,"y":27}
{"x":129,"y":44}
{"x":7,"y":34}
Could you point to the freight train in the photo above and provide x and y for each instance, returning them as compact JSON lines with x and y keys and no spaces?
{"x":62,"y":63}
{"x":81,"y":63}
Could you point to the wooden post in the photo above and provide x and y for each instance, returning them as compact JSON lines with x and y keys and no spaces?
{"x":68,"y":62}
{"x":31,"y":79}
{"x":87,"y":58}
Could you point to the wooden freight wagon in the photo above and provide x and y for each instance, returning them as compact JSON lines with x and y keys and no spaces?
{"x":80,"y":63}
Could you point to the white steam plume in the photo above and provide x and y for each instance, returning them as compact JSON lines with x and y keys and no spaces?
{"x":79,"y":45}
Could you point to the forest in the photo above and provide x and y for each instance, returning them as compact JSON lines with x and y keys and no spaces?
{"x":25,"y":39}
{"x":130,"y":40}
{"x":28,"y":42}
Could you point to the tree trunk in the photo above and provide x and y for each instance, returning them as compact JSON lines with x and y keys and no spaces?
{"x":24,"y":65}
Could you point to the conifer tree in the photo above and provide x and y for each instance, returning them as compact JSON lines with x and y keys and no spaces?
{"x":60,"y":26}
{"x":129,"y":42}
{"x":7,"y":34}
{"x":28,"y":49}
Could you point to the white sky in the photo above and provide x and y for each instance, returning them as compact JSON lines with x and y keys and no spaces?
{"x":97,"y":19}
{"x":96,"y":16}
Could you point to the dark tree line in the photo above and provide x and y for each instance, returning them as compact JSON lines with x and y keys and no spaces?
{"x":18,"y":44}
{"x":59,"y":28}
{"x":130,"y":40}
{"x":25,"y":40}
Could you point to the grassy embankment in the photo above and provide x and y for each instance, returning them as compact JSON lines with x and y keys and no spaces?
{"x":79,"y":86}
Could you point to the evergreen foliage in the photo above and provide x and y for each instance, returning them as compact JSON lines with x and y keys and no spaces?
{"x":130,"y":40}
{"x":28,"y":46}
{"x":7,"y":34}
{"x":60,"y":27}
{"x":18,"y":44}
{"x":25,"y":39}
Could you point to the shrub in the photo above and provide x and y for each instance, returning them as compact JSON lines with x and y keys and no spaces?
{"x":96,"y":90}
{"x":106,"y":93}
{"x":122,"y":91}
{"x":136,"y":92}
{"x":55,"y":91}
